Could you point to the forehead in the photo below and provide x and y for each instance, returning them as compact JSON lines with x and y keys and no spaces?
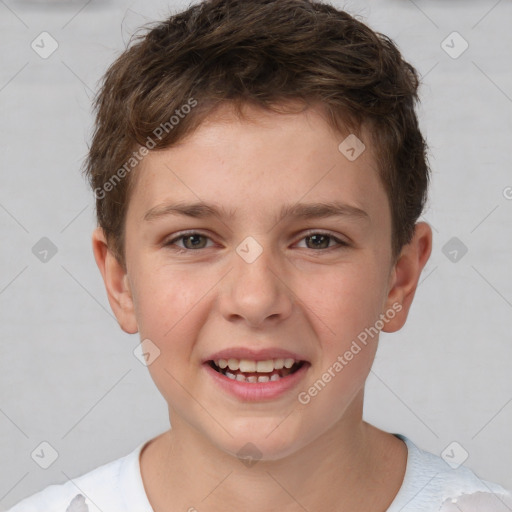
{"x":257,"y":164}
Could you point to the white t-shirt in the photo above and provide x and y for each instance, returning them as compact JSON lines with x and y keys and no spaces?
{"x":429,"y":483}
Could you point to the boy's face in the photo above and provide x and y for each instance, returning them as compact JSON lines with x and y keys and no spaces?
{"x":259,"y":282}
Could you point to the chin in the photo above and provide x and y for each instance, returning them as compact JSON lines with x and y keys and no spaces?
{"x":265,"y":443}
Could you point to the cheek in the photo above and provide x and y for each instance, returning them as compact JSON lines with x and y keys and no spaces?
{"x":345,"y":301}
{"x":349,"y":340}
{"x":167,"y":299}
{"x":171,"y":308}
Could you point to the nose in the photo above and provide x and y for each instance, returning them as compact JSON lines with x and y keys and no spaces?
{"x":256,"y":292}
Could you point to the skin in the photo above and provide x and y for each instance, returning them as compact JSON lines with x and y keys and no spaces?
{"x":296,"y":295}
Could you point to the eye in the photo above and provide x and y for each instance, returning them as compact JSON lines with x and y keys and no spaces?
{"x":321,"y":240}
{"x":191,"y":240}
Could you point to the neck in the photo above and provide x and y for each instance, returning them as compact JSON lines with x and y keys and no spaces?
{"x":353,"y":466}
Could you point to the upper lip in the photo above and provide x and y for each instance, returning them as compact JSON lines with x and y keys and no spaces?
{"x":253,"y":354}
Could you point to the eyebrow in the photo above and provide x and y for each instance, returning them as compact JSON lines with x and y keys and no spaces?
{"x":297,"y":211}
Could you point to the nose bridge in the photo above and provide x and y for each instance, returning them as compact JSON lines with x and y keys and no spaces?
{"x":255,"y":289}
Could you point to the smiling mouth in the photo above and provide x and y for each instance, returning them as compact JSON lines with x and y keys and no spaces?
{"x":256,"y":371}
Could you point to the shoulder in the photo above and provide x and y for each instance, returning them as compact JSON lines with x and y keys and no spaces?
{"x":430,"y":483}
{"x":107,"y":487}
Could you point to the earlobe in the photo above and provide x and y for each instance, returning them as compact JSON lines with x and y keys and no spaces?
{"x":116,"y":281}
{"x":405,"y":275}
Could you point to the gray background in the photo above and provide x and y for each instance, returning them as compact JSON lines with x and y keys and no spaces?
{"x":68,"y":373}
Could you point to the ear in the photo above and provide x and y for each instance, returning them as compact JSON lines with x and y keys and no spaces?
{"x":116,"y":283}
{"x":405,"y":275}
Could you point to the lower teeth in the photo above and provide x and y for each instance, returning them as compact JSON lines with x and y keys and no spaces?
{"x":252,"y":378}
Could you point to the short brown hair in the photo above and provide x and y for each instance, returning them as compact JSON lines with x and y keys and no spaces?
{"x":264,"y":53}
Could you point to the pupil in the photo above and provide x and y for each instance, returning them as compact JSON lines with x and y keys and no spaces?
{"x":317,"y":237}
{"x":194,"y":244}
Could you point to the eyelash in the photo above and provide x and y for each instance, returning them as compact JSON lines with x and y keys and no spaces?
{"x":309,"y":234}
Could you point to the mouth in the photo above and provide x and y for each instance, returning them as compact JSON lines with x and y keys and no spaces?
{"x":251,"y":371}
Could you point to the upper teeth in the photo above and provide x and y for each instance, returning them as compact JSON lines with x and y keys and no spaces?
{"x":246,"y":365}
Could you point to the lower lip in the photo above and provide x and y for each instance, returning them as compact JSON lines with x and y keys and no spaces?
{"x":255,"y":391}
